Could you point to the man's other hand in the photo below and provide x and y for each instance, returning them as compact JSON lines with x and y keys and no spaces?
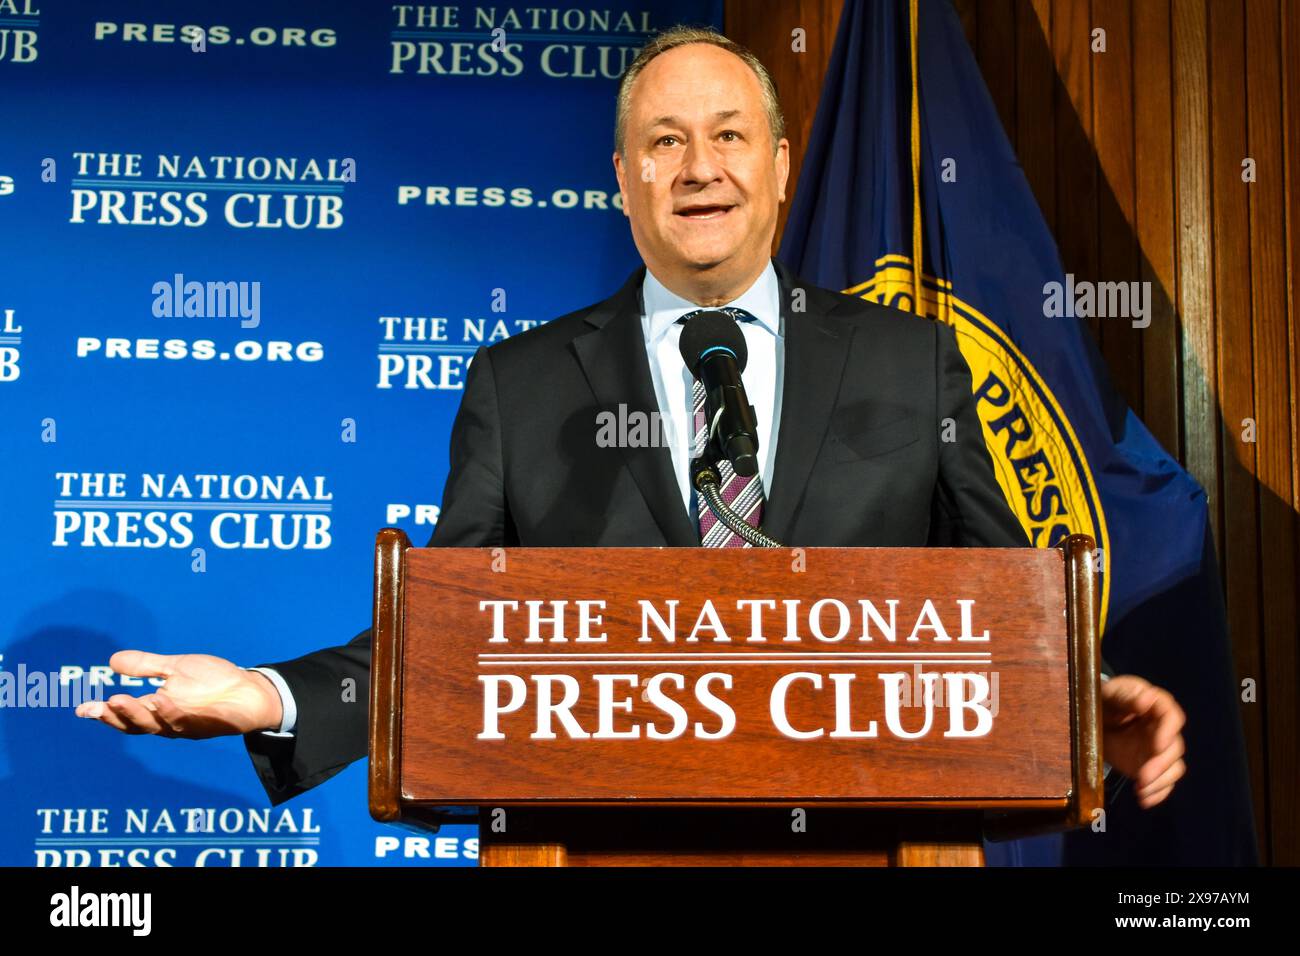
{"x":1142,"y":736}
{"x":203,"y":696}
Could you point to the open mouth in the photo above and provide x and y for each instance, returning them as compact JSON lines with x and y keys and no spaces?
{"x":704,"y":212}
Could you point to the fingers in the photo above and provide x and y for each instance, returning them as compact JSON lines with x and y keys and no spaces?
{"x":134,"y":714}
{"x":1161,"y":772}
{"x":1125,"y":688}
{"x":1166,"y":780}
{"x":142,"y":664}
{"x":1128,"y":698}
{"x":1169,"y":719}
{"x":101,"y":711}
{"x":168,"y":713}
{"x":1146,"y":803}
{"x":1155,"y":772}
{"x":1125,"y":698}
{"x":1150,"y":721}
{"x":1148,"y":797}
{"x":98,"y":710}
{"x":122,"y":712}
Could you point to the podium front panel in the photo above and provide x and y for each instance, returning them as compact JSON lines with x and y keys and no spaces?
{"x":689,"y":675}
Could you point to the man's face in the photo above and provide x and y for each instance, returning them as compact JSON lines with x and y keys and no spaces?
{"x":701,"y":181}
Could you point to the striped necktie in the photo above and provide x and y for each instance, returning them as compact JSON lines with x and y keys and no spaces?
{"x":743,"y":495}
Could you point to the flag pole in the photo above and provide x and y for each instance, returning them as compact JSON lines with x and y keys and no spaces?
{"x":916,"y":165}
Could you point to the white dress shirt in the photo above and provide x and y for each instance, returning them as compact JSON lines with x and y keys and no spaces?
{"x":764,"y":372}
{"x":289,"y":717}
{"x":673,"y":383}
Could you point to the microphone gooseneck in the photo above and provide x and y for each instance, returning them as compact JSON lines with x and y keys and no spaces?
{"x":707,"y":481}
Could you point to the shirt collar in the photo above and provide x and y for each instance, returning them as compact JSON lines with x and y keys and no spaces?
{"x":662,"y":307}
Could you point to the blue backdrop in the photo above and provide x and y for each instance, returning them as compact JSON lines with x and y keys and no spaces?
{"x":383,"y":187}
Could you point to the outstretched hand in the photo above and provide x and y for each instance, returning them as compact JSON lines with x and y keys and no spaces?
{"x":202,"y":696}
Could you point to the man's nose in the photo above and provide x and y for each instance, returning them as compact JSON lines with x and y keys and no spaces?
{"x":701,"y":163}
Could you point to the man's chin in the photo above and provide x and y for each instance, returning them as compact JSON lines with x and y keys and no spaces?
{"x":705,"y":260}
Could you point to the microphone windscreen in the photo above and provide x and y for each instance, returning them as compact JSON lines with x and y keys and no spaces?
{"x":711,"y":330}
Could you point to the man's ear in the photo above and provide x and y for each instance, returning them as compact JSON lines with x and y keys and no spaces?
{"x":620,"y":173}
{"x":782,"y":167}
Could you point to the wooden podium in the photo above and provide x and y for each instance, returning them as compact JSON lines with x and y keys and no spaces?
{"x":696,"y":706}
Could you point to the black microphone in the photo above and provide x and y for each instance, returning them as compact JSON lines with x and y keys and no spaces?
{"x":713,"y":348}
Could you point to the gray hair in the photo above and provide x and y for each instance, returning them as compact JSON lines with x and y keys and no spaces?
{"x":674,"y":37}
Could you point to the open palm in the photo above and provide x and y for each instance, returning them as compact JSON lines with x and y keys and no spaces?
{"x":202,"y":696}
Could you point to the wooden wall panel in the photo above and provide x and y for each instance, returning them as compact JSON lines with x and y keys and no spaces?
{"x":1135,"y":158}
{"x":766,"y":27}
{"x":1113,"y":144}
{"x":995,"y":47}
{"x":1273,"y":399}
{"x":1290,"y":51}
{"x":1076,"y":164}
{"x":1194,"y":300}
{"x":1284,"y":710}
{"x":1035,"y":103}
{"x":1230,"y":250}
{"x":1153,"y":170}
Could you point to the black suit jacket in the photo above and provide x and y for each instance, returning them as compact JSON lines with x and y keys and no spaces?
{"x":860,"y":462}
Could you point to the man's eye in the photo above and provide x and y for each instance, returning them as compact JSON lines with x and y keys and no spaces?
{"x":666,"y":140}
{"x":730,"y":135}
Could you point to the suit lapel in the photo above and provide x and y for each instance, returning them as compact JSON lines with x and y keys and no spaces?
{"x":613,"y":358}
{"x":816,"y":350}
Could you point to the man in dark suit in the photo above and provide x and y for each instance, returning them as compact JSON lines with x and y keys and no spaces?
{"x":868,"y":429}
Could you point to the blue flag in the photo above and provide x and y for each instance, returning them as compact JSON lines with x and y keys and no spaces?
{"x":1069,"y":454}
